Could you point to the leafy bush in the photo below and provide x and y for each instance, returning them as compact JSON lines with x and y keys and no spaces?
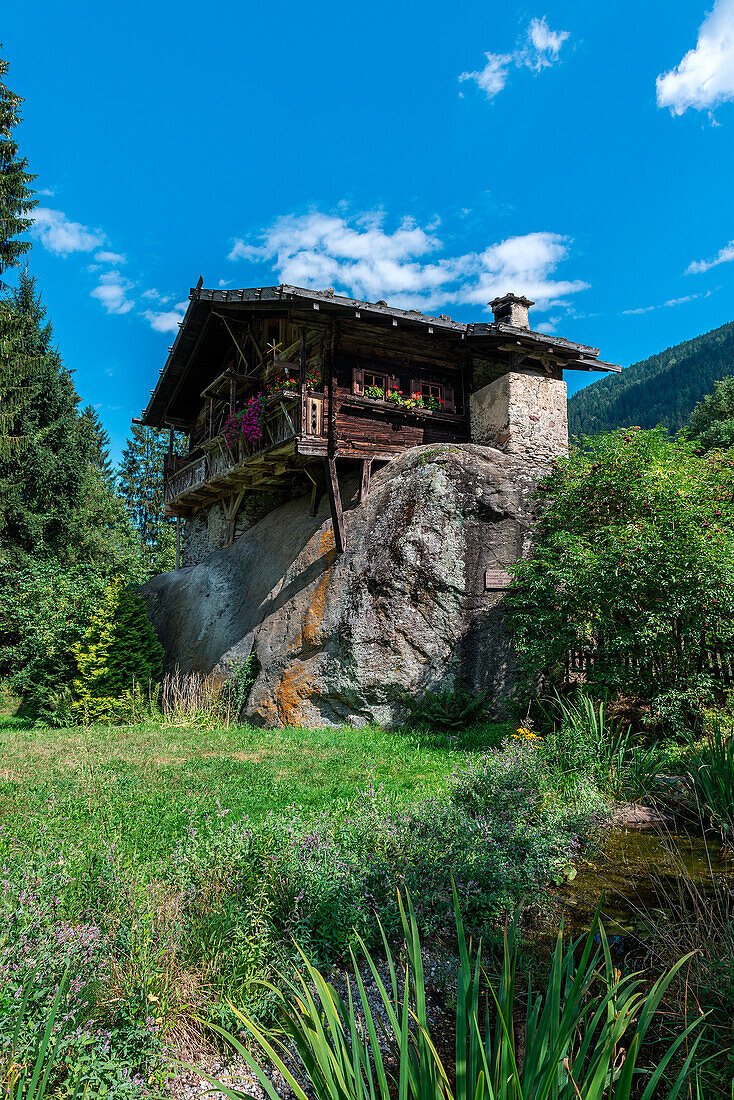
{"x":450,"y":709}
{"x":45,"y":609}
{"x":582,"y":1035}
{"x":56,"y":965}
{"x":634,"y":557}
{"x":120,"y":652}
{"x":318,"y":879}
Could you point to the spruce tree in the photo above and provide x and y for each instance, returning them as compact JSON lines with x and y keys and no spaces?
{"x":44,"y":491}
{"x":16,"y":203}
{"x":141,"y":487}
{"x":100,"y":444}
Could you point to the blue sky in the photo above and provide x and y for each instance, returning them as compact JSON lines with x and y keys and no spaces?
{"x":428,"y":154}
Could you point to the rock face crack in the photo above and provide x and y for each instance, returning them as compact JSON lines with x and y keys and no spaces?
{"x":342,"y":637}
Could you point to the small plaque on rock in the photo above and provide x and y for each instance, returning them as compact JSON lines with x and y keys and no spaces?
{"x":496,"y":579}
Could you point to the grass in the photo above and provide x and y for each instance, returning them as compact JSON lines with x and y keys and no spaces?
{"x":142,"y":785}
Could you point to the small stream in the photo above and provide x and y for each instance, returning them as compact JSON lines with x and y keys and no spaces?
{"x":646,"y":876}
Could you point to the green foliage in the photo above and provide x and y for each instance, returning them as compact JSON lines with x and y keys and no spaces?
{"x":586,"y":740}
{"x":243,"y":672}
{"x":450,"y":709}
{"x":44,"y":491}
{"x":712,"y":421}
{"x":16,"y":197}
{"x":100,"y":448}
{"x":141,"y":487}
{"x":634,"y":556}
{"x":56,"y":1038}
{"x":16,"y":203}
{"x":120,"y":652}
{"x":711,"y":778}
{"x":44,"y":612}
{"x":582,"y":1034}
{"x":660,"y":390}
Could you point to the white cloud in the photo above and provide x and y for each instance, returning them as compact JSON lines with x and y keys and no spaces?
{"x":167,"y":321}
{"x":153,"y":295}
{"x":408,"y":266}
{"x":705,"y":76}
{"x":60,"y":235}
{"x":538,"y":49}
{"x":670,"y":302}
{"x":110,"y":258}
{"x":46,"y":192}
{"x":724,"y":256}
{"x":112,"y":290}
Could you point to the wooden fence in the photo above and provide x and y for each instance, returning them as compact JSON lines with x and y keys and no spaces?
{"x":585,"y":662}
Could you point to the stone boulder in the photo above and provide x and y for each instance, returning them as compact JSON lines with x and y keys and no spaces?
{"x":407,"y":606}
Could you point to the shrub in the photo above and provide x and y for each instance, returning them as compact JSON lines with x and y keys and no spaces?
{"x":319,"y":878}
{"x":120,"y":653}
{"x":45,"y":609}
{"x":450,"y":709}
{"x":56,"y":962}
{"x":634,"y":557}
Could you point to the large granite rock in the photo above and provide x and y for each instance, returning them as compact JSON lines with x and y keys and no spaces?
{"x":339,"y":638}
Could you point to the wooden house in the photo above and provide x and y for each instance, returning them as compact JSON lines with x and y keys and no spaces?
{"x":279,"y":387}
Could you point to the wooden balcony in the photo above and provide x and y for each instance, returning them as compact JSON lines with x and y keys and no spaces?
{"x":223,"y":468}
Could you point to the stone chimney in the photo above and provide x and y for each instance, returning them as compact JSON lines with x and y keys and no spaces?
{"x":511,"y":310}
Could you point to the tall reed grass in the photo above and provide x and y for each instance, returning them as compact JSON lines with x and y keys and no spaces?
{"x":581,"y":1040}
{"x":711,"y":778}
{"x":206,"y":700}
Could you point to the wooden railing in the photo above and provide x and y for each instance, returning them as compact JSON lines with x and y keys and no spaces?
{"x":284,"y":419}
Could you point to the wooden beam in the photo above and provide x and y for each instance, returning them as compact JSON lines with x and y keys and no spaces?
{"x":366,"y":475}
{"x":335,"y":502}
{"x":234,"y":338}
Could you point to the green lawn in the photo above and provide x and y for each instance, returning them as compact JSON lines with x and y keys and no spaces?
{"x":140,"y":785}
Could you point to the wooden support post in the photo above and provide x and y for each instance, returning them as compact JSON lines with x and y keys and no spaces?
{"x":230,"y":513}
{"x":335,"y":501}
{"x":178,"y":542}
{"x":366,"y":475}
{"x":302,"y":361}
{"x":317,"y":490}
{"x":232,"y":394}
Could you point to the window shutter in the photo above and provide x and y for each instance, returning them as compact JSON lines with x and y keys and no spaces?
{"x":358,"y":382}
{"x":448,"y":398}
{"x":415,"y":386}
{"x":393,"y":383}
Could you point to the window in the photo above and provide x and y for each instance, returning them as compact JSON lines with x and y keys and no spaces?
{"x":431,"y":391}
{"x":374,"y":381}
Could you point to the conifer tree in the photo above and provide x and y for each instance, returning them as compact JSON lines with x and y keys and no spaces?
{"x":16,"y":203}
{"x":100,"y":442}
{"x":141,"y":487}
{"x":120,"y":654}
{"x":43,"y":492}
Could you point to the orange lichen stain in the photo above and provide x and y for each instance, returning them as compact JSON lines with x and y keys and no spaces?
{"x":314,"y":616}
{"x":292,"y":695}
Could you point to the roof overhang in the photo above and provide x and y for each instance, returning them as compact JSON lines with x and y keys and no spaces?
{"x":204,"y":303}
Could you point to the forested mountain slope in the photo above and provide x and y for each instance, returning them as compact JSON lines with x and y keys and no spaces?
{"x":660,"y":390}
